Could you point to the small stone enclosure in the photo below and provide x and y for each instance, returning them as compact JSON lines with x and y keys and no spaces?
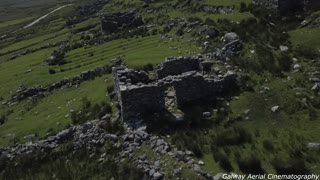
{"x":183,"y":79}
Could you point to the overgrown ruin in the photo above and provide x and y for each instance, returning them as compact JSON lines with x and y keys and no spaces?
{"x":179,"y":81}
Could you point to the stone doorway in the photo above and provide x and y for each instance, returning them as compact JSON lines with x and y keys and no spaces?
{"x":171,"y":104}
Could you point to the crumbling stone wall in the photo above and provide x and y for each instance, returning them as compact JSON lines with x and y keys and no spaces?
{"x":140,"y":100}
{"x":139,"y":96}
{"x":135,"y":95}
{"x":185,"y":64}
{"x":270,"y":4}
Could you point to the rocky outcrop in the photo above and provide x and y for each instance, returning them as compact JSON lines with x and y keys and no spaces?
{"x":231,"y":47}
{"x":120,"y":21}
{"x":57,"y":57}
{"x":183,"y":74}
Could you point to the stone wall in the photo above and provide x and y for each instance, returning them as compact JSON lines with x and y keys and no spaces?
{"x":137,"y":101}
{"x":174,"y":66}
{"x":141,"y":97}
{"x":270,"y":4}
{"x":23,"y":92}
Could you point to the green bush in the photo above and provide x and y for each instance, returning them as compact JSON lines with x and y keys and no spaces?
{"x":179,"y":31}
{"x":110,"y":89}
{"x":285,"y":62}
{"x":243,"y":7}
{"x":189,"y":141}
{"x":52,"y":71}
{"x":225,"y":163}
{"x":267,"y":144}
{"x":235,"y":136}
{"x":2,"y":119}
{"x":209,"y":21}
{"x":306,"y":52}
{"x":148,"y":67}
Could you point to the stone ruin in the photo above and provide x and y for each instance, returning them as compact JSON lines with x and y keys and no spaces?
{"x":120,"y":21}
{"x":285,"y":7}
{"x":179,"y":81}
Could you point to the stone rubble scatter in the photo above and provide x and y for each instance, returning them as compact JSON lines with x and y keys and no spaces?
{"x":91,"y":137}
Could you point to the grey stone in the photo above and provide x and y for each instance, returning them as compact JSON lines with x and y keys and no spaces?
{"x":231,"y":37}
{"x":152,"y":172}
{"x":157,"y":163}
{"x":157,"y":176}
{"x":284,"y":48}
{"x":297,"y":67}
{"x":143,"y":157}
{"x":275,"y":109}
{"x":314,"y":146}
{"x":206,"y":114}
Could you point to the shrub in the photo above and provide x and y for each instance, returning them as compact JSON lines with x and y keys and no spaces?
{"x":236,"y":136}
{"x":293,"y":166}
{"x":243,"y":7}
{"x":2,"y":119}
{"x":110,"y":89}
{"x":52,"y":71}
{"x":209,"y":21}
{"x":313,"y":113}
{"x":179,"y":31}
{"x":166,"y":30}
{"x":306,"y":52}
{"x":154,"y":31}
{"x":251,"y":165}
{"x":225,"y":163}
{"x":148,"y":67}
{"x":189,"y":141}
{"x":285,"y":62}
{"x":267,"y":144}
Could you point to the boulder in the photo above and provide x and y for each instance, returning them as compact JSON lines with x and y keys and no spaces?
{"x":297,"y":67}
{"x":206,"y":114}
{"x":157,"y":176}
{"x":231,"y":36}
{"x":275,"y":109}
{"x":201,"y":163}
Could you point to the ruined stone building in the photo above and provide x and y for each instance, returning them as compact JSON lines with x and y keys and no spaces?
{"x":180,"y":81}
{"x":282,"y":6}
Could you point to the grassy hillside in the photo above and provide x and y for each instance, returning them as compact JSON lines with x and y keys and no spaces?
{"x":243,"y":134}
